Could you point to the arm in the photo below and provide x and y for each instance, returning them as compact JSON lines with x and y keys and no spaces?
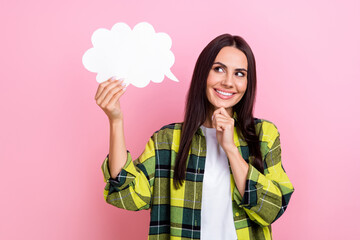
{"x":107,"y":97}
{"x":224,"y":125}
{"x":266,"y":195}
{"x":131,"y":189}
{"x":127,"y":185}
{"x":239,"y":168}
{"x":117,"y":151}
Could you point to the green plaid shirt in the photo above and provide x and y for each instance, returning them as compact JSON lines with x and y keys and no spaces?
{"x":147,"y":183}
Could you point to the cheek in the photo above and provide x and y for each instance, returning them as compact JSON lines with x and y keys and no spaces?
{"x":208,"y":89}
{"x":211,"y":80}
{"x":241,"y":86}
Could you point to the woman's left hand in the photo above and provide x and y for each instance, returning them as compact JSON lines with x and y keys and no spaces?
{"x":224,"y":125}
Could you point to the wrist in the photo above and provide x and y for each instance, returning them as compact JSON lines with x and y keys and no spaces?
{"x":231,"y":149}
{"x":115,"y":122}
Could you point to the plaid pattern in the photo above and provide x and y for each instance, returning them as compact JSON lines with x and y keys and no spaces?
{"x":147,"y":183}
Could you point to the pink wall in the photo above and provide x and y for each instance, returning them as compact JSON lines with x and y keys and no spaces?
{"x":54,"y":137}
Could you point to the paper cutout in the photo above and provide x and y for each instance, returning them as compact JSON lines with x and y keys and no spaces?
{"x":139,"y":56}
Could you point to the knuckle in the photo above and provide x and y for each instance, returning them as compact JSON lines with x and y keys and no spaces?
{"x":114,"y":90}
{"x":108,"y":86}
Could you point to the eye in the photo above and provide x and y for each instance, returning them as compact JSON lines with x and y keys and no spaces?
{"x":239,"y":74}
{"x":219,"y":69}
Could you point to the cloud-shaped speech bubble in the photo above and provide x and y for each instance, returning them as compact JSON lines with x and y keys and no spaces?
{"x":139,"y":56}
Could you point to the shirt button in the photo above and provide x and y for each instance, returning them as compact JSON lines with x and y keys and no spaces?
{"x":237,"y":214}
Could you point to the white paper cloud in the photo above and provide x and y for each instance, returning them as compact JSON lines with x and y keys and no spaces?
{"x":139,"y":56}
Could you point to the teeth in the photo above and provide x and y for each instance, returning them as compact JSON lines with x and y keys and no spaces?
{"x":224,"y":93}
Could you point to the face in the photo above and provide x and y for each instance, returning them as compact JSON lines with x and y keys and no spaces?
{"x":227,"y":80}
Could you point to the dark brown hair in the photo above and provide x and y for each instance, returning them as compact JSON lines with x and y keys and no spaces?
{"x":198,"y":106}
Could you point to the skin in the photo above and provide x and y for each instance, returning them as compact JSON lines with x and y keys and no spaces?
{"x":228,"y":74}
{"x":107,"y":98}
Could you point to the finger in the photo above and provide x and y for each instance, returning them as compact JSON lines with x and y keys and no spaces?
{"x":223,"y":111}
{"x":107,"y":89}
{"x":217,"y":111}
{"x":223,"y":122}
{"x":220,"y":111}
{"x":219,"y":127}
{"x":117,"y":96}
{"x":102,"y":86}
{"x":220,"y":116}
{"x":110,"y":94}
{"x":220,"y":122}
{"x":217,"y":122}
{"x":227,"y":120}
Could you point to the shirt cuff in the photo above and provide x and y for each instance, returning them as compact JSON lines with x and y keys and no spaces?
{"x":128,"y":168}
{"x":249,"y":199}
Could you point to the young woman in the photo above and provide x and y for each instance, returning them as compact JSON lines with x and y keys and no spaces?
{"x":218,"y":175}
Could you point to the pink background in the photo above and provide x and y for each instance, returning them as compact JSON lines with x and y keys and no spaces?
{"x":54,"y":137}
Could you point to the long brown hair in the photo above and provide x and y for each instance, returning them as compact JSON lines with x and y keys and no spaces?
{"x":198,"y":106}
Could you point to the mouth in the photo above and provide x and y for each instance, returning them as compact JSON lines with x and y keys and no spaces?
{"x":224,"y":95}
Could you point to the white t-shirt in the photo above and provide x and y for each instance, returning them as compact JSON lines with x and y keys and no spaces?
{"x":217,"y":220}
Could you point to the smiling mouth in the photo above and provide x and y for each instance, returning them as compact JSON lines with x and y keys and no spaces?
{"x":227,"y":94}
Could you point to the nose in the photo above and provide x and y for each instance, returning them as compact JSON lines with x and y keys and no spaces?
{"x":228,"y":81}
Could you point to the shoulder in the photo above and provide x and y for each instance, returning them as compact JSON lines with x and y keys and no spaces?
{"x":169,"y":129}
{"x":266,"y":130}
{"x":168,"y":132}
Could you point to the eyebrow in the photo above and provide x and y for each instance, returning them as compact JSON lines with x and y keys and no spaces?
{"x":224,"y":66}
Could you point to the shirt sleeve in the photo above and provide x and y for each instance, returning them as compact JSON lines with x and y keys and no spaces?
{"x":132,"y":188}
{"x":267,"y":195}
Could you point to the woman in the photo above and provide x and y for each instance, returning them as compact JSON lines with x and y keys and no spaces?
{"x":217,"y":175}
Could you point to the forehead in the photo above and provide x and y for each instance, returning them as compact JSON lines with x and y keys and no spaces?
{"x":232,"y":58}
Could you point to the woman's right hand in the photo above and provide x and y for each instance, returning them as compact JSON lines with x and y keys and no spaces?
{"x":107,"y":97}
